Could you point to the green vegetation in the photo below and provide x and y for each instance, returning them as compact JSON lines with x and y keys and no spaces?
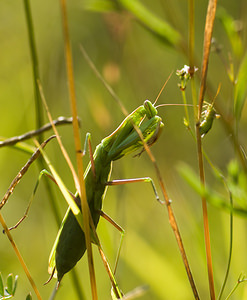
{"x":190,"y":245}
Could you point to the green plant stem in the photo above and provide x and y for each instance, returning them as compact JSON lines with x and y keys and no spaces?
{"x":230,"y":248}
{"x":186,"y":108}
{"x":240,"y":280}
{"x":206,"y":50}
{"x":191,"y":32}
{"x":35,"y":64}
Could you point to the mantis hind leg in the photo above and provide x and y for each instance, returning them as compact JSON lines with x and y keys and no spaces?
{"x":137,"y":291}
{"x":122,"y":232}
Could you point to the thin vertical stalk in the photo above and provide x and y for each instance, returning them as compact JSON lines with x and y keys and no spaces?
{"x":35,"y":65}
{"x":18,"y":254}
{"x":192,"y":52}
{"x":38,"y":101}
{"x":82,"y":191}
{"x":207,"y":43}
{"x":39,"y":123}
{"x":230,"y":247}
{"x":191,"y":32}
{"x":172,"y":218}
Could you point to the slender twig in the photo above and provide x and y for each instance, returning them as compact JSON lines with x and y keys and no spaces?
{"x":206,"y":49}
{"x":35,"y":65}
{"x":65,"y":154}
{"x":20,"y":138}
{"x":192,"y":53}
{"x":230,"y":247}
{"x":191,"y":33}
{"x":240,"y":280}
{"x":101,"y":78}
{"x":207,"y":43}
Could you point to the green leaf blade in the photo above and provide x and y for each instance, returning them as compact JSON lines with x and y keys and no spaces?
{"x":10,"y":284}
{"x":229,"y":25}
{"x":15,"y":285}
{"x":150,"y":21}
{"x":1,"y":285}
{"x":101,"y":5}
{"x":240,"y":89}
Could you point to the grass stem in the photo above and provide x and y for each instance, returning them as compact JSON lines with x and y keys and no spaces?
{"x":82,"y":191}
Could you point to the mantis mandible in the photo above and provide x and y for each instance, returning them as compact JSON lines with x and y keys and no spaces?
{"x":70,"y":244}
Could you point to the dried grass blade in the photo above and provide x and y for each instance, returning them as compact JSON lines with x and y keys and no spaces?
{"x":18,"y":254}
{"x":82,"y":190}
{"x":207,"y":43}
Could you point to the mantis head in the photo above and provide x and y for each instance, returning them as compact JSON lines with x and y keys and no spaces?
{"x":143,"y":125}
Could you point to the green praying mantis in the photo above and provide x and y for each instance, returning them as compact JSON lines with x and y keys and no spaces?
{"x":208,"y":116}
{"x":70,"y":243}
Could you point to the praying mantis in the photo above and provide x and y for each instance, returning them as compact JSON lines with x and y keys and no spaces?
{"x":70,"y":244}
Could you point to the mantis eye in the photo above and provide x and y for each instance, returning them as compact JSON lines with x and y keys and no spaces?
{"x":151,"y":111}
{"x":156,"y":134}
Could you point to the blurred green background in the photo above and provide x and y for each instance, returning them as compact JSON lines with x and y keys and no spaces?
{"x":136,"y":63}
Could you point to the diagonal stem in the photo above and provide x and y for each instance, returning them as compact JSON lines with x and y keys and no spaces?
{"x":172,"y":218}
{"x":21,"y":260}
{"x":82,"y":191}
{"x":207,"y":43}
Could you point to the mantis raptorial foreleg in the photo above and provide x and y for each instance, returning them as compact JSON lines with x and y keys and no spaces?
{"x":88,"y":143}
